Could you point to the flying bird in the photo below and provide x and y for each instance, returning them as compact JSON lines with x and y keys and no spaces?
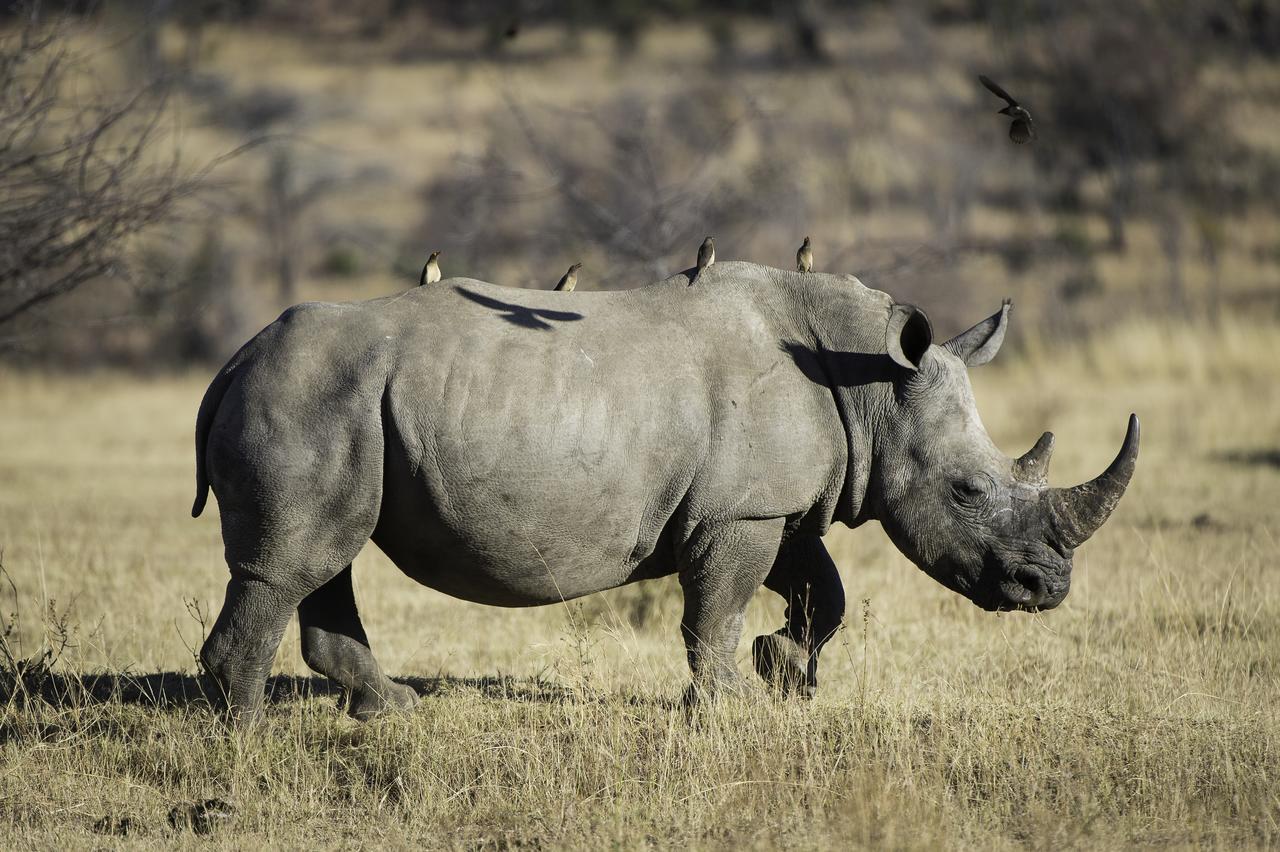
{"x":804,"y":257}
{"x":430,"y":272}
{"x":1021,"y":130}
{"x":570,"y":279}
{"x":706,"y":255}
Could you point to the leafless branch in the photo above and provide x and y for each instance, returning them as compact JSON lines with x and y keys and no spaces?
{"x":78,"y":180}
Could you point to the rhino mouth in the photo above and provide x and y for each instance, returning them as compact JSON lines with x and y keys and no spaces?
{"x":1028,"y":591}
{"x":1026,"y":585}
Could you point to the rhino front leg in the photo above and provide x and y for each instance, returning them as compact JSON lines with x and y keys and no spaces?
{"x":335,"y":645}
{"x":721,"y":568}
{"x":807,"y":580}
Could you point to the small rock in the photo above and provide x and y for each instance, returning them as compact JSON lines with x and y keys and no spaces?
{"x":115,"y":827}
{"x":200,"y":817}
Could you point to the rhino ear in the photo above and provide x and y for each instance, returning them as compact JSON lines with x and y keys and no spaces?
{"x":908,"y":336}
{"x":980,"y":344}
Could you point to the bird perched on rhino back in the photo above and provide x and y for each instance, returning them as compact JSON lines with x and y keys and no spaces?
{"x":431,"y":271}
{"x":804,"y":257}
{"x":1021,"y":129}
{"x":706,"y":255}
{"x":570,"y":279}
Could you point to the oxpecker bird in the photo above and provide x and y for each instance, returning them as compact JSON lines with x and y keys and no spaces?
{"x":1021,"y":130}
{"x":804,"y":257}
{"x":430,"y":272}
{"x":570,"y":279}
{"x":706,"y":254}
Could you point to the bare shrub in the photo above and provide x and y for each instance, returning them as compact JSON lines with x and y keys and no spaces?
{"x":78,"y":177}
{"x":22,"y":676}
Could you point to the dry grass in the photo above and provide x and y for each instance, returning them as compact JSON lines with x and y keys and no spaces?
{"x":1140,"y":712}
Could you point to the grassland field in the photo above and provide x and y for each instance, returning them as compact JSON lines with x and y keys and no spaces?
{"x":1141,"y":712}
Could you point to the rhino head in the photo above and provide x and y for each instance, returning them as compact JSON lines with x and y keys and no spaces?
{"x":985,"y":525}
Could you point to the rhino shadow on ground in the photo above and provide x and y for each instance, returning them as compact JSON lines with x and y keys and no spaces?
{"x":182,"y":691}
{"x":1259,"y":457}
{"x":520,"y":315}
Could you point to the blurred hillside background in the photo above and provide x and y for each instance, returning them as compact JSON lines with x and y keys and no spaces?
{"x":173,"y":174}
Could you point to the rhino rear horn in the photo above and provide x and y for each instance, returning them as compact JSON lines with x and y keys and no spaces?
{"x":1034,"y":466}
{"x":1079,"y":511}
{"x":980,"y":344}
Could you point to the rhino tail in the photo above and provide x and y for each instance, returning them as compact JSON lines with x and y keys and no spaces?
{"x":204,"y":422}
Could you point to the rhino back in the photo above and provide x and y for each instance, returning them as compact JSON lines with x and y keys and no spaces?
{"x":527,"y":464}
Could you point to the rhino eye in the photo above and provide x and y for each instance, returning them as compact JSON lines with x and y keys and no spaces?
{"x":972,"y":488}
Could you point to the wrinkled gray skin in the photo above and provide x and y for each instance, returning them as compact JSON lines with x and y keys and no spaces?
{"x":518,"y":447}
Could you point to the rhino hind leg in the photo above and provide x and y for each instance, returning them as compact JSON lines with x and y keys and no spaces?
{"x":720,"y":571}
{"x":274,"y":569}
{"x":334,"y":644}
{"x":243,"y":642}
{"x":296,"y":464}
{"x":806,"y":578}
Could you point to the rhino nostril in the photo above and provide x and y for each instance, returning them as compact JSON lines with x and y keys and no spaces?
{"x":1033,"y":582}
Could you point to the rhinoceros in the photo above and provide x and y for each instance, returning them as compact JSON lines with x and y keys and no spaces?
{"x":516,"y":448}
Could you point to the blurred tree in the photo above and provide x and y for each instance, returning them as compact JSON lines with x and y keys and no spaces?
{"x":287,"y":198}
{"x":78,"y":174}
{"x":1209,"y":225}
{"x":1171,"y":244}
{"x":1117,"y":93}
{"x":207,"y":279}
{"x":803,"y":20}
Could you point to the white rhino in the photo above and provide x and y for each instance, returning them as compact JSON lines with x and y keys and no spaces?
{"x":518,"y":447}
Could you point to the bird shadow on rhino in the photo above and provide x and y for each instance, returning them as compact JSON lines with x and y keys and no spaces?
{"x":521,"y":315}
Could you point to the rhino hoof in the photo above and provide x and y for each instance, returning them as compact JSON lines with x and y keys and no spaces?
{"x":782,"y":665}
{"x":369,"y":703}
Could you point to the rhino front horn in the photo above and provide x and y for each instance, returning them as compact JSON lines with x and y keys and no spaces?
{"x":1079,"y":511}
